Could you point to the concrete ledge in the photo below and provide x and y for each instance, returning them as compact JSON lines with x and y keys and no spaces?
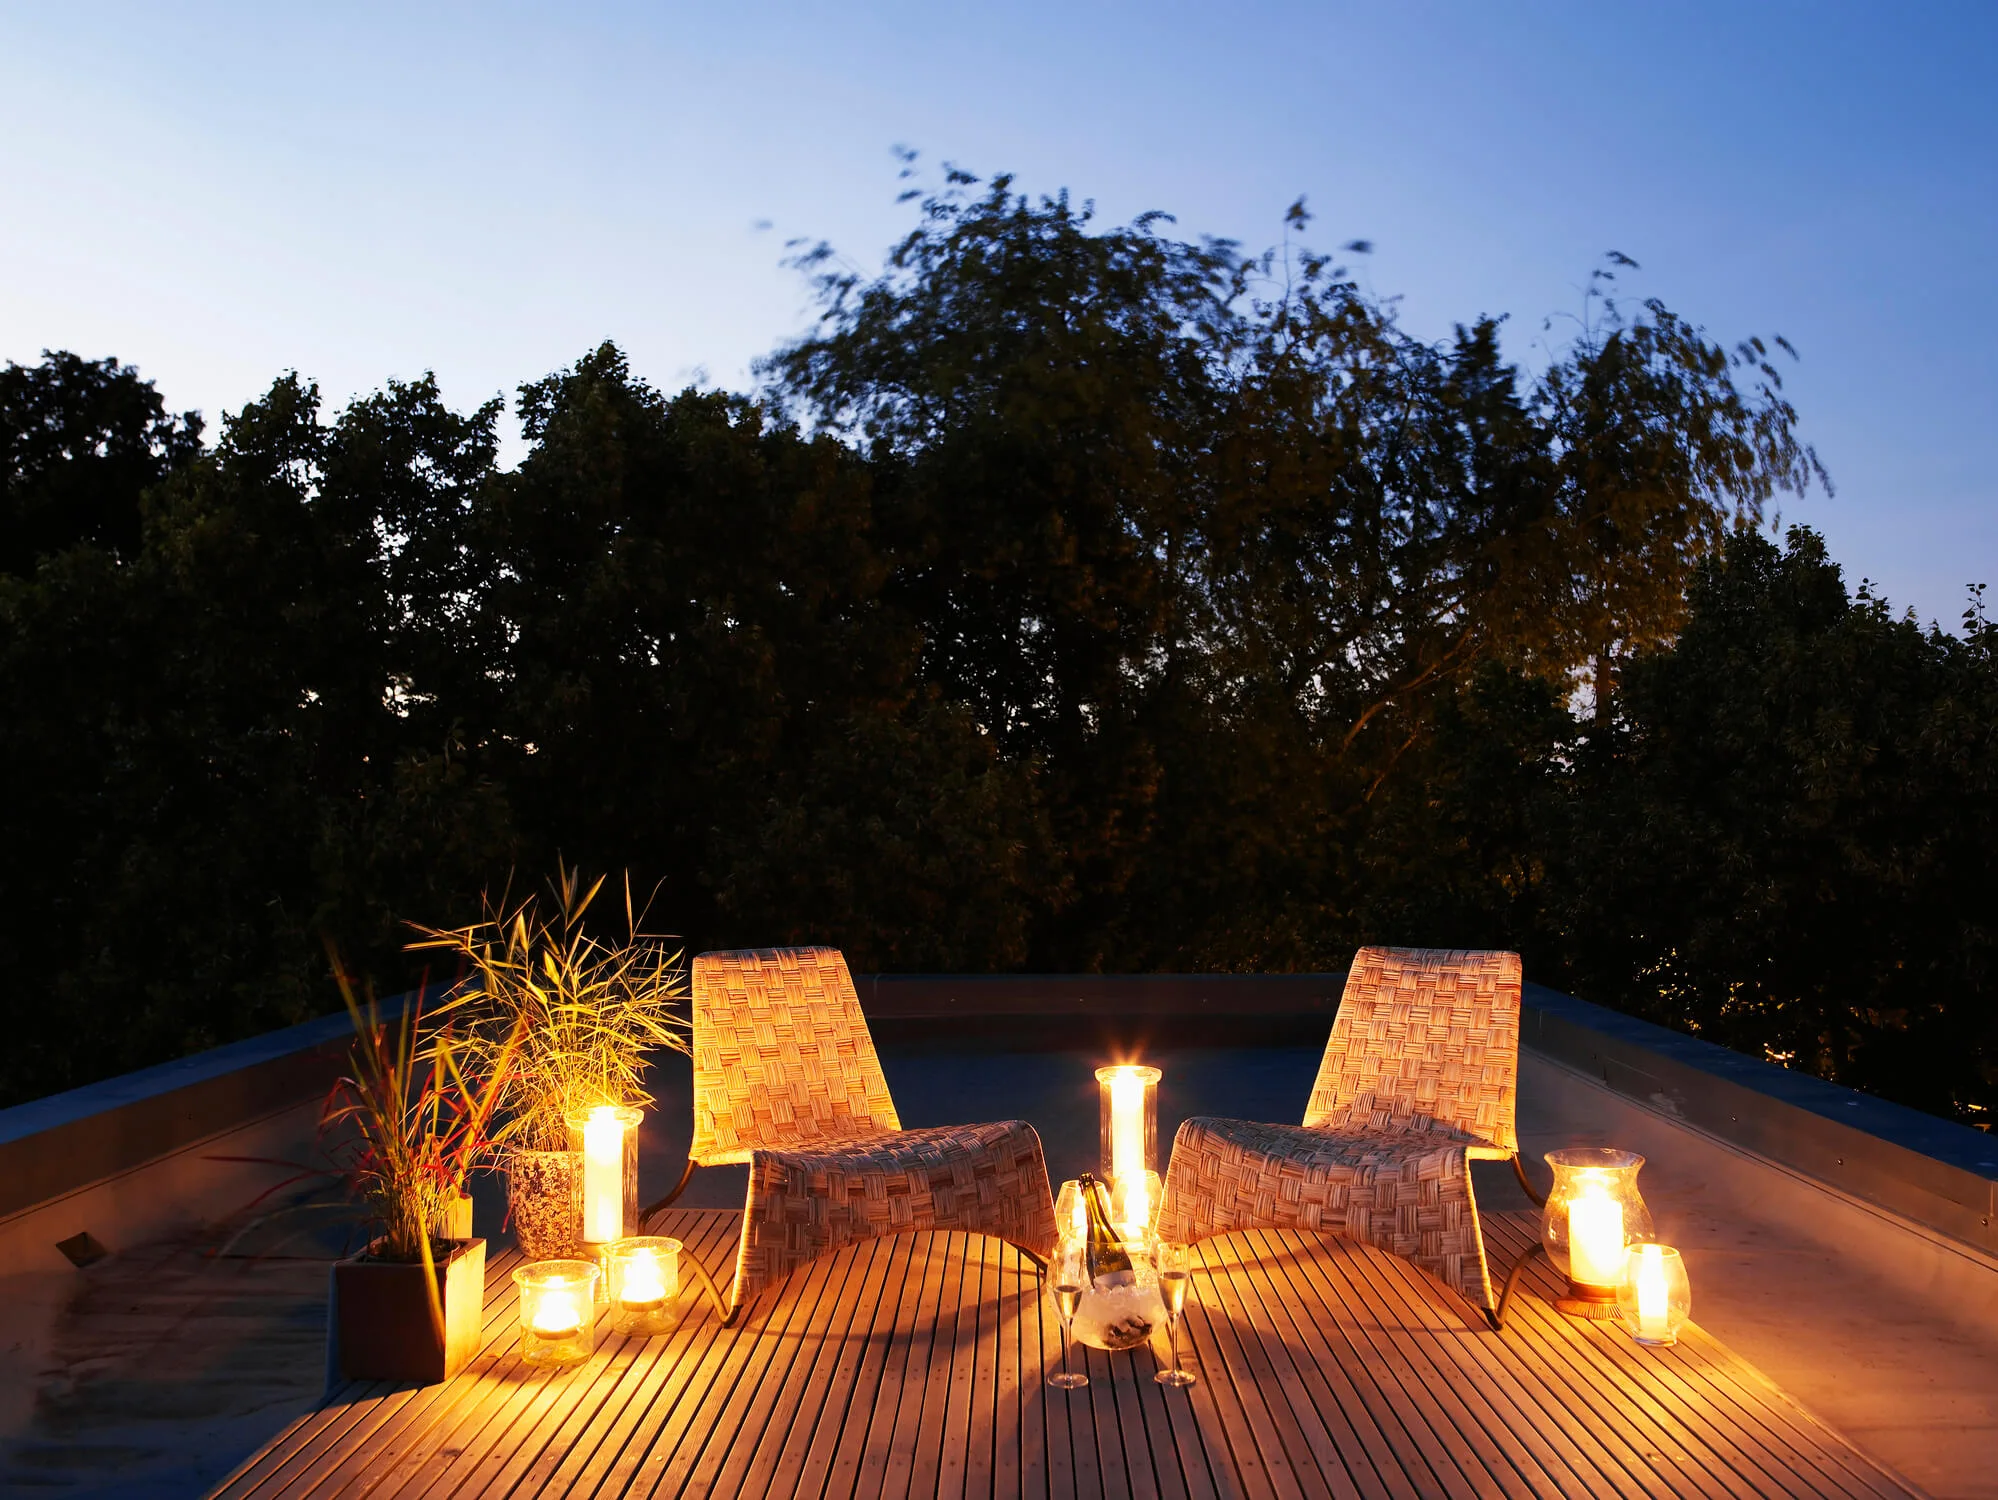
{"x":900,"y":996}
{"x":1928,"y":1170}
{"x":1120,"y":1011}
{"x":70,"y":1141}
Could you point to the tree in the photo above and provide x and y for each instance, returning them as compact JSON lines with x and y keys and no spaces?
{"x":80,"y":442}
{"x":1210,"y":537}
{"x":1784,"y":845}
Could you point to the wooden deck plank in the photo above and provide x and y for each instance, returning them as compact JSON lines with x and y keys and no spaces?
{"x":879,"y":1392}
{"x":676,"y":1403}
{"x":1257,"y":1440}
{"x":1397,"y":1304}
{"x":1633,"y":1394}
{"x":1289,"y":1299}
{"x":1403,"y":1422}
{"x":1492,"y":1387}
{"x":817,"y":1330}
{"x":968,"y":1471}
{"x":807,"y":1406}
{"x":916,"y":1366}
{"x":890,"y":1455}
{"x":591,"y":1445}
{"x":543,"y":1415}
{"x":630,"y":1372}
{"x":859,"y":1368}
{"x":1008,"y":1418}
{"x":1652,"y":1403}
{"x":670,"y":1386}
{"x":381,"y":1410}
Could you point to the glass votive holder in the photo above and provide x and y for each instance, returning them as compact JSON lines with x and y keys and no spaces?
{"x":1128,"y":1111}
{"x":1654,"y":1299}
{"x":558,"y":1311}
{"x":642,"y":1274}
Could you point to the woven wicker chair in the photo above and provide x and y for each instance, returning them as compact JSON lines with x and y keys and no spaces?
{"x":1418,"y":1081}
{"x":786,"y":1079}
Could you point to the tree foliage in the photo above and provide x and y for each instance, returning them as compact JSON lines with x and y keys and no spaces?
{"x":1069,"y":598}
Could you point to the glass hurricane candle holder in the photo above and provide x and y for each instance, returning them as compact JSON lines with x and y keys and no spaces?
{"x":1654,"y":1299}
{"x":642,"y":1280}
{"x":608,"y":1138}
{"x":1134,"y":1205}
{"x":1592,"y":1213}
{"x":1130,"y":1118}
{"x":558,"y":1312}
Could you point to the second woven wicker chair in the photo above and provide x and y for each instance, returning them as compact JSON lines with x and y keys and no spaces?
{"x":1418,"y":1080}
{"x":786,"y":1079}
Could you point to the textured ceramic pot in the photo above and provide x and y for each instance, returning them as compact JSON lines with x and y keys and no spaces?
{"x":545,"y":1203}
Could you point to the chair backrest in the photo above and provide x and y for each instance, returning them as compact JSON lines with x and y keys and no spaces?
{"x":1424,"y":1035}
{"x":782,"y":1056}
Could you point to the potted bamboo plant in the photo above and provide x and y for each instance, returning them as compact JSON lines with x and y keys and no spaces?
{"x":404,"y":1129}
{"x":582,"y":1014}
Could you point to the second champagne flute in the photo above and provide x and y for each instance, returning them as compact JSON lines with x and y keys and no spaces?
{"x":1174,"y":1263}
{"x":1068,"y":1275}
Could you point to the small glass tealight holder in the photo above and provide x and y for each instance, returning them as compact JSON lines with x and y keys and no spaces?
{"x":1654,"y":1299}
{"x":558,"y":1311}
{"x":643,"y":1274}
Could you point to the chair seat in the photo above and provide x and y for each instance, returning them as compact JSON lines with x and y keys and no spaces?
{"x":1407,"y":1191}
{"x":803,"y":1203}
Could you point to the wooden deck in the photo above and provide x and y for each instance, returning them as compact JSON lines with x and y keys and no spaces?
{"x":913,"y":1366}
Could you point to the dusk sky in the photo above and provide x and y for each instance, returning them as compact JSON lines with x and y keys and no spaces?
{"x":219,"y":193}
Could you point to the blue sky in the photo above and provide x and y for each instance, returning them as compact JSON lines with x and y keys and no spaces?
{"x":218,"y":193}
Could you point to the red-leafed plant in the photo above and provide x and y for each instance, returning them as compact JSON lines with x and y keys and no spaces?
{"x":408,"y":1124}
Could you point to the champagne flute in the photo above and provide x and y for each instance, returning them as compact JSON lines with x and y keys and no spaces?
{"x":1068,"y":1275}
{"x":1174,"y":1263}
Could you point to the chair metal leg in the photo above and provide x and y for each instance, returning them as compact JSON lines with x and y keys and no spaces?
{"x":1526,"y":1183}
{"x":1497,"y":1319}
{"x":646,"y":1216}
{"x":715,"y":1297}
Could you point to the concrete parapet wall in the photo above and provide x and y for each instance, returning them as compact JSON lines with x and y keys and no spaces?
{"x":1930,"y":1172}
{"x":1934,"y":1173}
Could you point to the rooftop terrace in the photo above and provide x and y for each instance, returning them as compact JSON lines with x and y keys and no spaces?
{"x":1845,"y":1298}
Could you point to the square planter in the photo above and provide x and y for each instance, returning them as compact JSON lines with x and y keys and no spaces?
{"x":381,"y":1316}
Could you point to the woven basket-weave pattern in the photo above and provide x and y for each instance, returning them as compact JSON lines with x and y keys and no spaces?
{"x":1408,"y":1192}
{"x":782,"y":1055}
{"x":988,"y":1179}
{"x":786,"y":1078}
{"x":1419,"y":1078}
{"x":1424,"y":1036}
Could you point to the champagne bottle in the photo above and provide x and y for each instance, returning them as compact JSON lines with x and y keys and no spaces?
{"x":1109,"y":1263}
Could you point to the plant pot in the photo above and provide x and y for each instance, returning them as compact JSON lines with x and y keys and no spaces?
{"x":381,"y":1316}
{"x":544,"y":1192}
{"x":454,"y":1222}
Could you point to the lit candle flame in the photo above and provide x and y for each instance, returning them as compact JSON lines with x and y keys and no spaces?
{"x":1138,"y":1204}
{"x":644,"y":1282}
{"x":1595,"y":1237}
{"x":1653,"y":1296}
{"x":603,"y":1175}
{"x":1127,"y":1123}
{"x":556,"y":1315}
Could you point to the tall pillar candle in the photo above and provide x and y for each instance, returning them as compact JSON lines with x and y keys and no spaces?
{"x":603,"y":1176}
{"x":1595,"y":1240}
